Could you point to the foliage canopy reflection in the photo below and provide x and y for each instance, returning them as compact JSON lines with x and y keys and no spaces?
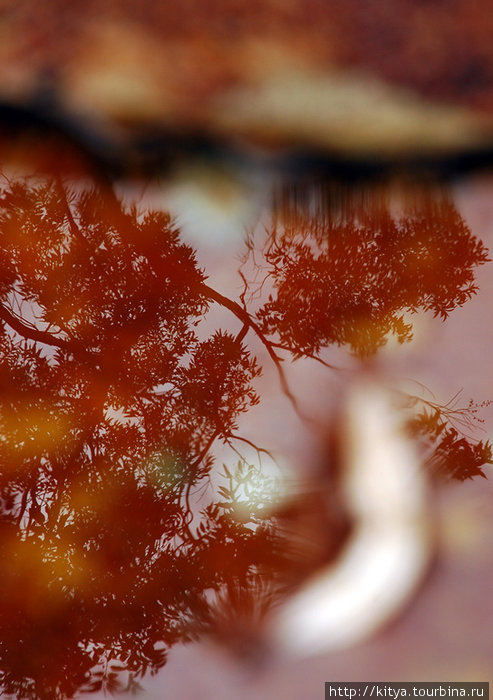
{"x":346,"y":265}
{"x":111,"y":402}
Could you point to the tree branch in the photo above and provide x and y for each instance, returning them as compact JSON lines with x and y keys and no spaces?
{"x":248,"y":321}
{"x":26,"y":331}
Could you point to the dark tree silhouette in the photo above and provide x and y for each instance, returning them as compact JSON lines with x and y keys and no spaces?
{"x":111,"y":404}
{"x":345,"y":265}
{"x":446,"y":432}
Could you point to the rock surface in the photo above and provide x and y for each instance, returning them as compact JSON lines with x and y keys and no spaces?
{"x":379,"y":79}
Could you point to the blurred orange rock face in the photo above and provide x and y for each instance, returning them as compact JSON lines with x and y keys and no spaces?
{"x":381,"y":75}
{"x":123,"y":391}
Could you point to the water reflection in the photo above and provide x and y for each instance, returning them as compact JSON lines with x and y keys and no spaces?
{"x":351,"y":267}
{"x":345,"y":266}
{"x":113,"y":401}
{"x":110,"y":406}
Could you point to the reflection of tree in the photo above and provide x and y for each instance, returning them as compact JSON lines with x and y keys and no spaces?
{"x":342,"y":266}
{"x":344,"y":269}
{"x":110,"y":405}
{"x":446,"y":431}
